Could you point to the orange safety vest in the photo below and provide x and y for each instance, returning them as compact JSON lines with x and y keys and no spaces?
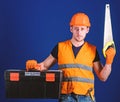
{"x":78,"y":74}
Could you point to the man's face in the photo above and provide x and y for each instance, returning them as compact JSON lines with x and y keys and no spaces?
{"x":79,"y":32}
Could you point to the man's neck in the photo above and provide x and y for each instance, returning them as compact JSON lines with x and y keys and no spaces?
{"x":76,"y":43}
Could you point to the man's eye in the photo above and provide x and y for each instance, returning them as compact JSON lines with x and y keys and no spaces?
{"x":82,"y":28}
{"x":76,"y":29}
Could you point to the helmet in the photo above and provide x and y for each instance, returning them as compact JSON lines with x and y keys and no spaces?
{"x":80,"y":19}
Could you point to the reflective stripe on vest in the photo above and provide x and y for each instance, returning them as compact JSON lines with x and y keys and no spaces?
{"x":75,"y":66}
{"x":78,"y":79}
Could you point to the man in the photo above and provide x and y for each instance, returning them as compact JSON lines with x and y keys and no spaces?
{"x":77,"y":59}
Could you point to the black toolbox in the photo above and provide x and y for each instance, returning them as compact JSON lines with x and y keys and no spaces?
{"x":33,"y":84}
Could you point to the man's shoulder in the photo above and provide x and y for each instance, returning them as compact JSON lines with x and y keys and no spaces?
{"x":90,"y":44}
{"x":65,"y":41}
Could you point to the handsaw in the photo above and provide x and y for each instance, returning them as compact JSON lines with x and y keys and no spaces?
{"x":108,"y":36}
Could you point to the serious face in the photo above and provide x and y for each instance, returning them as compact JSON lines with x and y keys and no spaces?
{"x":79,"y":32}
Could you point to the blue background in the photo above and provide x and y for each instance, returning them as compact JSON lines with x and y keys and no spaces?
{"x":29,"y":29}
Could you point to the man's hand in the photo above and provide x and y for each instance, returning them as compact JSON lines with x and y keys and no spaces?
{"x":31,"y":64}
{"x":110,"y":54}
{"x":40,"y":67}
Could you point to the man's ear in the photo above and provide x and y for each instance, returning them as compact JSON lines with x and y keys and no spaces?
{"x":71,"y":29}
{"x":88,"y":28}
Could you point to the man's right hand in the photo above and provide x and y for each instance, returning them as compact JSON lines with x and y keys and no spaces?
{"x":31,"y":64}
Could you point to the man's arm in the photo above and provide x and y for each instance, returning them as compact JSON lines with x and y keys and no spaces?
{"x":102,"y":72}
{"x":47,"y":63}
{"x":44,"y":65}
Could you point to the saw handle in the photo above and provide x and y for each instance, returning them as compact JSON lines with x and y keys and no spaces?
{"x":107,"y":46}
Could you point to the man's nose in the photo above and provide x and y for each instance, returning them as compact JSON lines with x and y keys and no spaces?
{"x":79,"y":31}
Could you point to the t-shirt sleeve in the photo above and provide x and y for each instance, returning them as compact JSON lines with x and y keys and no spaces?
{"x":97,"y":58}
{"x":54,"y":52}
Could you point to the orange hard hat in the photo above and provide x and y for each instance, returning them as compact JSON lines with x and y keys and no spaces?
{"x":80,"y":19}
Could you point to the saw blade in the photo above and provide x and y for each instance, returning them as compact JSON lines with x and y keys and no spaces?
{"x":108,"y":37}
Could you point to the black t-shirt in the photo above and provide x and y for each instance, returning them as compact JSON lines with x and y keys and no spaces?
{"x":54,"y":52}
